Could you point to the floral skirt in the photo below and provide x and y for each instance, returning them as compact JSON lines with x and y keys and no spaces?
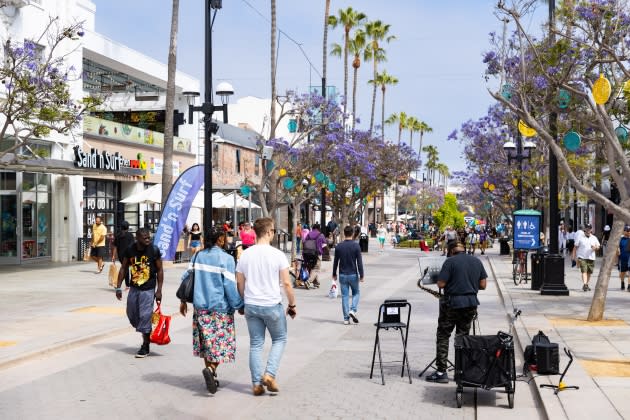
{"x":214,"y":336}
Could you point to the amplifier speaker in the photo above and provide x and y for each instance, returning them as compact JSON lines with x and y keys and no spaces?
{"x":547,"y":358}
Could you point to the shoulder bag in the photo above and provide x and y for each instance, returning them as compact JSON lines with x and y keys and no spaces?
{"x":186,"y":289}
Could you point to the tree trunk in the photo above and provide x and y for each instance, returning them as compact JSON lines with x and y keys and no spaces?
{"x":272,"y":112}
{"x":598,"y":304}
{"x":167,"y":157}
{"x":354,"y":96}
{"x":373,"y":95}
{"x":325,"y":43}
{"x":345,"y":74}
{"x":383,"y":115}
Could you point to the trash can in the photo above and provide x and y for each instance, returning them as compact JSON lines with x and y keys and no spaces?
{"x":363,"y":242}
{"x":505,"y":247}
{"x":538,"y":267}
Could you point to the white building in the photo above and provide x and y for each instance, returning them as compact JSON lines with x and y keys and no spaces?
{"x":47,"y":206}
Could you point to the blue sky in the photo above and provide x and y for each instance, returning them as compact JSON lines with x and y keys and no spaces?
{"x":436,"y":56}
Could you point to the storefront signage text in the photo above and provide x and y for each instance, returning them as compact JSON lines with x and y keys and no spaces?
{"x":103,"y":160}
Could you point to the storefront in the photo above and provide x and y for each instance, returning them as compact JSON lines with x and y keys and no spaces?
{"x":25,"y":217}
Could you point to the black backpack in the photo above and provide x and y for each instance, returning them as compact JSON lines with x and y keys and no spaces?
{"x":543,"y":354}
{"x":309,"y":247}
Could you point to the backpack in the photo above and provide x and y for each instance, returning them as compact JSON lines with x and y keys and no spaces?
{"x":540,"y":344}
{"x":309,"y":246}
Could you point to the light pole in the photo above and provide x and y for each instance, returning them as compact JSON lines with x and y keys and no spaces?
{"x":517,"y":152}
{"x":224,"y":90}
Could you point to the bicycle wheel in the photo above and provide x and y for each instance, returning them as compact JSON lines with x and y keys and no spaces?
{"x":519,"y":277}
{"x":515,"y":273}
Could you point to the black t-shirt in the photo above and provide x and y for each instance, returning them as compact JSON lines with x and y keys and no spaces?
{"x":122,"y":241}
{"x":142,"y":267}
{"x":462,"y":274}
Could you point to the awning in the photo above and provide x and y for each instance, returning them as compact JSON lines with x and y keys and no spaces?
{"x":153,"y":195}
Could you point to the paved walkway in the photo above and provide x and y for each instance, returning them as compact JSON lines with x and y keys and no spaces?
{"x":66,"y":347}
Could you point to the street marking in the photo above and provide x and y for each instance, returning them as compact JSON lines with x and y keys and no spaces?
{"x":575,"y":322}
{"x":7,"y":343}
{"x":100,"y":310}
{"x":618,"y":369}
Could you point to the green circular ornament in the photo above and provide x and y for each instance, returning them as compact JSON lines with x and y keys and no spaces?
{"x":319,"y":176}
{"x":622,"y":134}
{"x":332,"y":187}
{"x":506,"y":92}
{"x":288,"y":183}
{"x":270,"y":165}
{"x":356,"y":189}
{"x":246,"y":189}
{"x":572,"y":141}
{"x":564,"y":99}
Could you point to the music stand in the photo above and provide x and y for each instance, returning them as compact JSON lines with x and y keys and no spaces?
{"x":561,"y":386}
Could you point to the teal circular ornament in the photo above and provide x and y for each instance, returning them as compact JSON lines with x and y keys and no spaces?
{"x":332,"y":187}
{"x":270,"y":165}
{"x":356,"y":189}
{"x":564,"y":99}
{"x":246,"y":189}
{"x":288,"y":183}
{"x":572,"y":141}
{"x":319,"y":176}
{"x":506,"y":91}
{"x":292,"y":125}
{"x":622,"y":134}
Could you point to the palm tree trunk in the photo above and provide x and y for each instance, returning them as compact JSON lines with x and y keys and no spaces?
{"x":272,"y":112}
{"x":345,"y":74}
{"x":354,"y":96}
{"x":325,"y":43}
{"x":383,"y":116}
{"x":373,"y":96}
{"x":420,"y":151}
{"x":167,"y":157}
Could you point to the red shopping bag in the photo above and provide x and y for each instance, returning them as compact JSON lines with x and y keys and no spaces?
{"x":159,"y":335}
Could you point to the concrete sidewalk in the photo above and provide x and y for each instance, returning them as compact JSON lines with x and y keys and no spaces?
{"x":601,"y":350}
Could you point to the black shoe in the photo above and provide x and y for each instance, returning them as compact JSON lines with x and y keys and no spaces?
{"x":438,"y":377}
{"x":353,"y":315}
{"x":211,"y":383}
{"x":588,"y":288}
{"x":623,"y":286}
{"x":584,"y":288}
{"x":143,"y":352}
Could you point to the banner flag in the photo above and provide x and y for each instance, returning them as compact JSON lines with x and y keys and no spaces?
{"x":175,"y":212}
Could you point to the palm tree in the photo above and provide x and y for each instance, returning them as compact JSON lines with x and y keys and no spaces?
{"x":349,"y":19}
{"x":355,"y":47}
{"x":412,"y":126}
{"x":422,"y":128}
{"x":444,"y":174}
{"x":376,"y":31}
{"x":383,"y":79}
{"x":325,"y":49}
{"x":432,"y":162}
{"x":272,"y":111}
{"x":401,"y":119}
{"x":167,"y":168}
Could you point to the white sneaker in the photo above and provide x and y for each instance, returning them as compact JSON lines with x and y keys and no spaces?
{"x":346,"y":322}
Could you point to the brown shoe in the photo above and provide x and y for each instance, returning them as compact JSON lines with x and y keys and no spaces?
{"x":258,"y":390}
{"x":270,"y":382}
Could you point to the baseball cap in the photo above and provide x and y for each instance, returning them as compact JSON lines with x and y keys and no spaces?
{"x":606,"y":228}
{"x":627,"y":228}
{"x":588,"y":227}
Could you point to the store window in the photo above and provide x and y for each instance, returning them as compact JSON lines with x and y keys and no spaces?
{"x":100,"y":198}
{"x":36,"y":200}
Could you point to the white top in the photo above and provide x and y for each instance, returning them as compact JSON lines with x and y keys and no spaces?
{"x":261,"y":266}
{"x":381,"y":232}
{"x":584,"y":246}
{"x":571,"y":235}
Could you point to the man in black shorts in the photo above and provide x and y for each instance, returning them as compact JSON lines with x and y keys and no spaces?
{"x":143,"y":260}
{"x":461,"y":277}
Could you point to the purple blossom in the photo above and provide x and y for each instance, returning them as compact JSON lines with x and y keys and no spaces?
{"x":540,"y":83}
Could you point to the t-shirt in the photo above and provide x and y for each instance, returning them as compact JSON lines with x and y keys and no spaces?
{"x":99,"y":233}
{"x":462,"y":274}
{"x":450,"y":235}
{"x":248,"y":237}
{"x":261,"y":265}
{"x":624,"y":243}
{"x":381,"y":232}
{"x":584,"y":244}
{"x":142,"y":267}
{"x":122,"y":241}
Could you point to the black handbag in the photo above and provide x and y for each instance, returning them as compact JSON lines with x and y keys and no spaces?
{"x":186,"y":289}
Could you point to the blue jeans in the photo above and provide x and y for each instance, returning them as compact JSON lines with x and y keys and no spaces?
{"x":258,"y":319}
{"x":349,"y":281}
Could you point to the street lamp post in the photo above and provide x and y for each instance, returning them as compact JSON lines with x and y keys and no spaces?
{"x":517,"y":152}
{"x":224,"y":90}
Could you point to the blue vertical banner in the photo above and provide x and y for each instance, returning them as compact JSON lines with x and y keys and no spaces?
{"x":175,"y":211}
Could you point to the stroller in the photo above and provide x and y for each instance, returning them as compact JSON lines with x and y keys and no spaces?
{"x":301,"y":271}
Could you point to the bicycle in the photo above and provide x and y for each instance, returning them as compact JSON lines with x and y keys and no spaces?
{"x":519,"y":266}
{"x":298,"y":266}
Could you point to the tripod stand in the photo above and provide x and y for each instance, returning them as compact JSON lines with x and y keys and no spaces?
{"x":561,"y":386}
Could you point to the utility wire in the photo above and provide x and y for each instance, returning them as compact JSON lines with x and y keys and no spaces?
{"x":280,"y":31}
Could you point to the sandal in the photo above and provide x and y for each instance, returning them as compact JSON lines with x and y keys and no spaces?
{"x":211,"y":383}
{"x":100,"y":268}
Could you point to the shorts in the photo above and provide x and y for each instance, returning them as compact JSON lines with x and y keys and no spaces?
{"x":623,"y":263}
{"x":381,"y":240}
{"x":195,"y":244}
{"x":586,"y":266}
{"x":97,"y":251}
{"x":140,"y":309}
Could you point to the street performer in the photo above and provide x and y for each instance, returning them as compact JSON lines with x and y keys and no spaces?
{"x":461,"y":277}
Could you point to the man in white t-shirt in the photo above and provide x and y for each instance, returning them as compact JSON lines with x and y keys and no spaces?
{"x":259,"y":273}
{"x":585,"y":247}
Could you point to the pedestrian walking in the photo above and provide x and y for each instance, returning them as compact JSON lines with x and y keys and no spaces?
{"x":461,"y":277}
{"x":123,"y":240}
{"x":585,"y":247}
{"x":381,"y":234}
{"x":348,"y":260}
{"x":144,"y":262}
{"x":260,"y":272}
{"x":298,"y":237}
{"x":312,"y":250}
{"x":623,"y":255}
{"x":195,"y":239}
{"x":214,"y":302}
{"x":248,"y":236}
{"x":99,"y":237}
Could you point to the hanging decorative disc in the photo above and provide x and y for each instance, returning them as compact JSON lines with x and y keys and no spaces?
{"x":270,"y":165}
{"x":622,"y":134}
{"x":601,"y":90}
{"x":506,"y":92}
{"x":313,"y":179}
{"x":282,"y":172}
{"x":332,"y":187}
{"x":564,"y":99}
{"x":288,"y":183}
{"x":491,"y":187}
{"x":525,"y":130}
{"x":515,"y":182}
{"x":572,"y":141}
{"x":356,"y":189}
{"x":319,"y":176}
{"x":292,"y":125}
{"x":246,"y":189}
{"x":485,"y":184}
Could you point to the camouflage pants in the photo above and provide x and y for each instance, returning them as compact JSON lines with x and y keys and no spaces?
{"x":448,"y":319}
